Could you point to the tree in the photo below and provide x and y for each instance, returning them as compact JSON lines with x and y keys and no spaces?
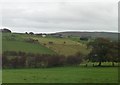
{"x":100,"y":48}
{"x":112,"y":54}
{"x":26,"y":32}
{"x":5,"y":30}
{"x":31,"y":33}
{"x":84,"y":38}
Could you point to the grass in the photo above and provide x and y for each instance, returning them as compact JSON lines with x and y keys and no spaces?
{"x":25,"y":47}
{"x":70,"y":47}
{"x":16,"y":42}
{"x":46,"y":40}
{"x":62,"y":75}
{"x":77,"y":39}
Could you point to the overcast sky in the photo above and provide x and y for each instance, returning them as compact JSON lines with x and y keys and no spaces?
{"x":56,"y":15}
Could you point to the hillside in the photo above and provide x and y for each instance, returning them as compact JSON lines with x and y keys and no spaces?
{"x":51,"y":44}
{"x":62,"y":46}
{"x":110,"y":35}
{"x":15,"y":42}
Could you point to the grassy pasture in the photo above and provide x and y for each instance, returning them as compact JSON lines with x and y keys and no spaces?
{"x":70,"y":47}
{"x":25,"y":47}
{"x":56,"y":40}
{"x":62,"y":75}
{"x":15,"y":42}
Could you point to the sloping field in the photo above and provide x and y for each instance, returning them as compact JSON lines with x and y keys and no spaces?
{"x":13,"y":42}
{"x":70,"y":47}
{"x":64,"y":46}
{"x":25,"y":47}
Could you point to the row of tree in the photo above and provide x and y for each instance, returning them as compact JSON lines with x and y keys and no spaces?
{"x":29,"y":60}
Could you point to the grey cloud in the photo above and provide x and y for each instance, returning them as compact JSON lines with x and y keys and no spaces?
{"x":60,"y":16}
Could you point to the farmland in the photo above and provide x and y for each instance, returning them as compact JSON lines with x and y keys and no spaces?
{"x":62,"y":75}
{"x":15,"y":42}
{"x":25,"y":47}
{"x":62,"y":48}
{"x":58,"y":71}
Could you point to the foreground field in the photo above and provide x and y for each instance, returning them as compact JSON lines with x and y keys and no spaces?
{"x":62,"y":75}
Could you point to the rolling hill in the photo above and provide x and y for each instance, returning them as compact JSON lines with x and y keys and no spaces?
{"x":110,"y":35}
{"x":15,"y":42}
{"x":62,"y":46}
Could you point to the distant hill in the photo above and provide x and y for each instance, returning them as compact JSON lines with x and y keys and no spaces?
{"x":109,"y":35}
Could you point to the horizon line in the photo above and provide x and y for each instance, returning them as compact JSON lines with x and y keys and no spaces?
{"x":68,"y":31}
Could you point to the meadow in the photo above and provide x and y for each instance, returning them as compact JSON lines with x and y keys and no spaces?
{"x":25,"y":47}
{"x":15,"y":42}
{"x":62,"y":46}
{"x":62,"y":75}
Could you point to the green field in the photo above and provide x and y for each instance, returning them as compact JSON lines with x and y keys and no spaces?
{"x":62,"y":75}
{"x":25,"y":47}
{"x":15,"y":42}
